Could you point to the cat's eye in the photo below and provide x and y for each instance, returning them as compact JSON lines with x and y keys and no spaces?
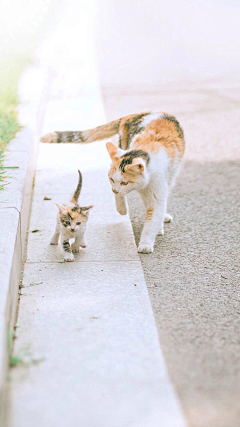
{"x":123,"y":183}
{"x":78,"y":223}
{"x":111,"y":179}
{"x":67,"y":222}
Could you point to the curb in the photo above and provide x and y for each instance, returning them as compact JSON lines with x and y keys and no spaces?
{"x":15,"y":203}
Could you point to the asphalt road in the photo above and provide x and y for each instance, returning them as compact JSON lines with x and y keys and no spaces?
{"x":193,"y":276}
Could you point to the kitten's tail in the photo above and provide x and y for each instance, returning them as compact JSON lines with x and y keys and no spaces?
{"x":75,"y":197}
{"x":85,"y":136}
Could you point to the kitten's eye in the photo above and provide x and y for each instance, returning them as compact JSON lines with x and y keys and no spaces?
{"x":111,"y":179}
{"x":67,"y":223}
{"x":123,"y":183}
{"x":78,"y":223}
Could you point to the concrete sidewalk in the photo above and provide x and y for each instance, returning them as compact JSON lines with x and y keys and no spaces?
{"x":86,"y":329}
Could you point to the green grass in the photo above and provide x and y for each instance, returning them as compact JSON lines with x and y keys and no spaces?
{"x":23,"y":24}
{"x":10,"y":71}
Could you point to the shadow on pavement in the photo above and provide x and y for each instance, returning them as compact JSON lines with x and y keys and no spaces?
{"x":193,"y":280}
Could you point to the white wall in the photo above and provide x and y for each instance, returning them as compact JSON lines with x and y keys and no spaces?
{"x":152,"y":41}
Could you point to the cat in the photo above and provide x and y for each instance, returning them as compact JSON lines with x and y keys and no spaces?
{"x":148,"y":159}
{"x":71,"y":224}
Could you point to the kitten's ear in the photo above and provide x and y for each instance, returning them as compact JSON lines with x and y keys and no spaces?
{"x":61,"y":208}
{"x":86,"y":209}
{"x":114,"y":151}
{"x":137,"y":166}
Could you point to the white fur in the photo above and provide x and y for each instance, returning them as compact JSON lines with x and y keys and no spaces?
{"x":153,"y":184}
{"x":66,"y":234}
{"x":149,"y":118}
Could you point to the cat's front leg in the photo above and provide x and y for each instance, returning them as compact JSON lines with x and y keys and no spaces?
{"x":75,"y":245}
{"x":79,"y":241}
{"x":155,"y":212}
{"x":83,"y":242}
{"x":150,"y":229}
{"x":121,"y":204}
{"x":68,"y":255}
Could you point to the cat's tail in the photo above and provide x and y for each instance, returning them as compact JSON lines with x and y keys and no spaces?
{"x":75,"y":197}
{"x":85,"y":136}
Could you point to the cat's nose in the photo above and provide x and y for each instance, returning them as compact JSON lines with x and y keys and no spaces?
{"x":72,"y":229}
{"x":115,"y":191}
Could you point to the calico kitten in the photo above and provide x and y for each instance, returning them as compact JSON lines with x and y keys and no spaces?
{"x":151,"y":148}
{"x":71,"y":224}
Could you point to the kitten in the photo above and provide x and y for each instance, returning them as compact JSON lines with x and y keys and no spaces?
{"x":71,"y":224}
{"x":151,"y":148}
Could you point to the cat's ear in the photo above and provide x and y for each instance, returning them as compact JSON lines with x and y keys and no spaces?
{"x":114,"y":151}
{"x":61,"y":208}
{"x":86,"y":209}
{"x":137,"y":166}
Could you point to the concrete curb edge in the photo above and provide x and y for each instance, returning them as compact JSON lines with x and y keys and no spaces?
{"x":15,"y":204}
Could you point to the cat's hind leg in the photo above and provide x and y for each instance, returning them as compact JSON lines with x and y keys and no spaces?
{"x":55,"y":236}
{"x":121,"y":204}
{"x":168,"y":218}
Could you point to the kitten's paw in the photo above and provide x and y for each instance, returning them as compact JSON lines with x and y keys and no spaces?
{"x":168,"y":218}
{"x":53,"y":242}
{"x":145,"y":248}
{"x":74,"y":248}
{"x":83,"y":245}
{"x":69,"y":258}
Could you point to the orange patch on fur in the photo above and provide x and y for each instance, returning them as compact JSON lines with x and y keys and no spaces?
{"x":74,"y":214}
{"x":160,"y":133}
{"x":149,"y":214}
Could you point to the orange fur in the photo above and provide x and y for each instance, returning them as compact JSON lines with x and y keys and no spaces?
{"x":149,"y":214}
{"x":76,"y":214}
{"x":102,"y":132}
{"x":160,"y":133}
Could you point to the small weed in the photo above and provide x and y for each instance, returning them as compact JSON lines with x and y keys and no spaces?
{"x":14,"y":361}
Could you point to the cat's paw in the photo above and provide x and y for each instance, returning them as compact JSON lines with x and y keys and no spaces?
{"x":53,"y":242}
{"x":161,"y":231}
{"x":121,"y":205}
{"x":74,"y":248}
{"x":83,"y":245}
{"x":145,"y":248}
{"x":168,"y":218}
{"x":69,"y":258}
{"x":122,"y":208}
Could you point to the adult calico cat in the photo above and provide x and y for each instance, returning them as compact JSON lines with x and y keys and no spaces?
{"x":150,"y":152}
